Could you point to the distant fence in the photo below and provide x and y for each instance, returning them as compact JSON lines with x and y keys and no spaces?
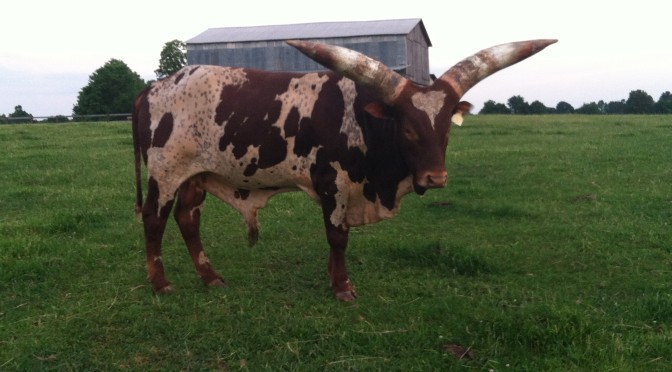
{"x":64,"y":118}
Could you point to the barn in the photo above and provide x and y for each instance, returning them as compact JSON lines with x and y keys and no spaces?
{"x":402,"y":44}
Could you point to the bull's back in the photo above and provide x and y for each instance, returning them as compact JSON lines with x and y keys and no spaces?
{"x":242,"y":125}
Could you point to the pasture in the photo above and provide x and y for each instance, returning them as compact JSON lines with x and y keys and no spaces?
{"x":550,"y":249}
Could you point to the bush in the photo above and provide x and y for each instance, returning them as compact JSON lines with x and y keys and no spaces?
{"x":58,"y":119}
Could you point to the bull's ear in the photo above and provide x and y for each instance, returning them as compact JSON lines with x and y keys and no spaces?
{"x":378,"y":110}
{"x":461,"y":110}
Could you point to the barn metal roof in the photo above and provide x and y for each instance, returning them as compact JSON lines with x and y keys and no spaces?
{"x":321,"y":30}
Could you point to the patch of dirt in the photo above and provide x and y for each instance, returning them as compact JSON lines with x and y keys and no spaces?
{"x":587,"y":198}
{"x":460,"y":352}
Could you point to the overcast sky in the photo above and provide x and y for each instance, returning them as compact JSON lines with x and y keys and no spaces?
{"x":606,"y":48}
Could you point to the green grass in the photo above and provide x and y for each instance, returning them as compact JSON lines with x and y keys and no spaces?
{"x":551,"y":249}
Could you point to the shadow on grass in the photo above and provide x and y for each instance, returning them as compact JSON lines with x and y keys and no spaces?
{"x":540,"y":329}
{"x":470,"y":210}
{"x":453,"y":261}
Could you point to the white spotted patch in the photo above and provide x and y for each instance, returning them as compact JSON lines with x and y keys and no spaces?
{"x":195,"y":209}
{"x":354,"y":209}
{"x":192,"y":146}
{"x":343,"y":185}
{"x":362,"y":211}
{"x":301,"y":94}
{"x":430,"y":102}
{"x":349,"y":125}
{"x":202,"y":258}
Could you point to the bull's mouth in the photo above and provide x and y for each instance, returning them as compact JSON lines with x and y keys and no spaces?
{"x":419,"y":189}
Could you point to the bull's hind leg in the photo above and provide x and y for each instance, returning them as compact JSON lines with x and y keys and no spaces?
{"x":154,"y":219}
{"x":188,"y":216}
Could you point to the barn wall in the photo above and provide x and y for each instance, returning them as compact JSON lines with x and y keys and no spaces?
{"x":418,"y":55}
{"x":404,"y":53}
{"x":278,"y":56}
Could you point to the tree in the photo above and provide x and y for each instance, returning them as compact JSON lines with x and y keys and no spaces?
{"x":492,"y":107}
{"x":664,"y":104}
{"x":615,"y":107}
{"x":639,"y":102}
{"x":20,"y":113}
{"x":537,"y":107}
{"x":589,"y":108}
{"x":173,"y":58}
{"x":111,"y":90}
{"x":58,"y":119}
{"x":564,"y":108}
{"x":518,"y":105}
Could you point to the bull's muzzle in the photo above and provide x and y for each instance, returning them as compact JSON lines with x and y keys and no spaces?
{"x":432,"y":180}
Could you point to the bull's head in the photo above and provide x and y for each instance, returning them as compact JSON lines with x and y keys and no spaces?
{"x":425,"y":114}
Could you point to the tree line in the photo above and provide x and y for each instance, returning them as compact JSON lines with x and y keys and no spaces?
{"x":113,"y":87}
{"x":638,"y":102}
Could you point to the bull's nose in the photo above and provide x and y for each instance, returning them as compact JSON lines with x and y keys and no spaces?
{"x":437,"y":179}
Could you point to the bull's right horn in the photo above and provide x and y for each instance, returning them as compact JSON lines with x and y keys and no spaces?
{"x":356,"y":66}
{"x":468,"y":72}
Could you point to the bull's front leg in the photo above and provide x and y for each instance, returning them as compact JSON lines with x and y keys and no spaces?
{"x":334,"y":206}
{"x":341,"y":285}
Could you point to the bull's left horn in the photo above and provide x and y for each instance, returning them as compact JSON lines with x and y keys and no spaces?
{"x":467,"y":73}
{"x":356,"y":66}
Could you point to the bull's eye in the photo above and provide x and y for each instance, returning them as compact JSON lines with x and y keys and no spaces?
{"x":410,"y":133}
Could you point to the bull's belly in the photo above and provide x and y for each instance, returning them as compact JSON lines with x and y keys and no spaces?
{"x":247,"y":172}
{"x":252,"y":178}
{"x":263,"y":183}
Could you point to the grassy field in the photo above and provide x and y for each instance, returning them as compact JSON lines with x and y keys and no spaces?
{"x":551,"y":249}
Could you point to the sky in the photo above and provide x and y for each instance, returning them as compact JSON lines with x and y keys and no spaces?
{"x":606,"y":49}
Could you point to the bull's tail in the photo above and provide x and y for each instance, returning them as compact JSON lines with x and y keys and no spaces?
{"x":137,"y":151}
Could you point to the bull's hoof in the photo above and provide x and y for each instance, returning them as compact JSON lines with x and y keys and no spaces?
{"x":346,"y":296}
{"x":164,"y":290}
{"x":218,"y":282}
{"x":345,"y":291}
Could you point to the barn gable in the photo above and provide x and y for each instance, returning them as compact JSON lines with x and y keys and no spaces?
{"x":400,"y":44}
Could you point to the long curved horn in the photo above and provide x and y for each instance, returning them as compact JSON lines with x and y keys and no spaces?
{"x":468,"y":72}
{"x":356,"y":66}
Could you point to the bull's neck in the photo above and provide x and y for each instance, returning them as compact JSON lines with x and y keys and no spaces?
{"x":386,"y":170}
